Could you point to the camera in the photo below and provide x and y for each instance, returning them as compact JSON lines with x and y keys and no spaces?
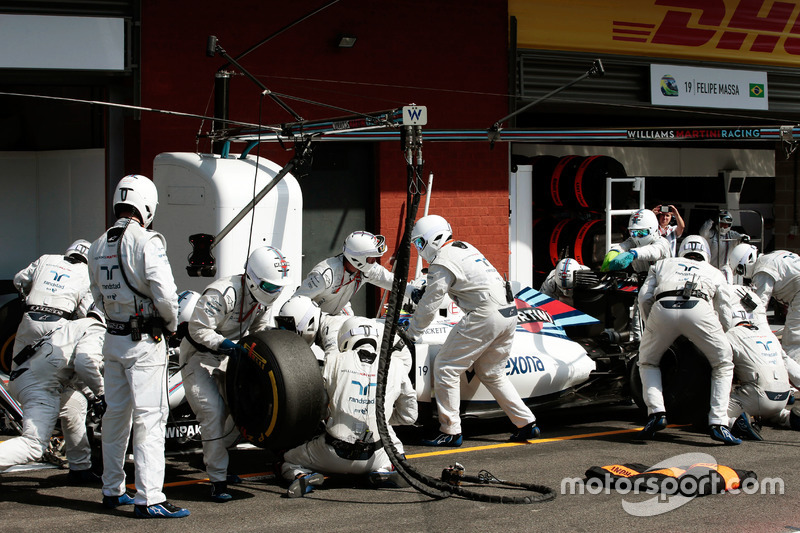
{"x":665,"y":209}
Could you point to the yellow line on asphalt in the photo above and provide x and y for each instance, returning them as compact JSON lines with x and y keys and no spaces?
{"x":537,"y":441}
{"x":448,"y":451}
{"x":204,"y":480}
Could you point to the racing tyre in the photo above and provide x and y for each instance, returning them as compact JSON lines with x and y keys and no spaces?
{"x":10,"y":317}
{"x":635,"y":383}
{"x":686,"y":379}
{"x":275,"y":393}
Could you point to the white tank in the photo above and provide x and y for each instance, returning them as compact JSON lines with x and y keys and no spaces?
{"x":202,"y":193}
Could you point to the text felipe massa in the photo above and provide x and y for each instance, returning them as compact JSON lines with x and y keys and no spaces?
{"x":701,"y":87}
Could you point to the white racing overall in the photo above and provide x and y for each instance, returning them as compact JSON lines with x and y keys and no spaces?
{"x":668,"y":315}
{"x":350,"y":384}
{"x":482,"y":338}
{"x":777,"y":275}
{"x":46,"y":387}
{"x":55,"y":290}
{"x":332,"y":287}
{"x":226,"y":310}
{"x":135,"y":370}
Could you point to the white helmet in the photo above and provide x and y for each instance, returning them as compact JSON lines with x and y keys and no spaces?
{"x":429,"y":234}
{"x":301,"y":315}
{"x":357,"y":331}
{"x":79,"y":250}
{"x":724,"y":222}
{"x":361,"y":245}
{"x":267,"y":274}
{"x":186,"y":302}
{"x":742,"y":259}
{"x":139,"y":192}
{"x":643,"y":227}
{"x":695,"y":247}
{"x":565,"y":275}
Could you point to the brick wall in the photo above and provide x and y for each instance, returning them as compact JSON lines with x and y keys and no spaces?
{"x":449,"y":55}
{"x":470,"y":190}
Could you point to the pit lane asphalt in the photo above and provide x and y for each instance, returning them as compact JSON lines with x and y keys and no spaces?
{"x":573,"y":440}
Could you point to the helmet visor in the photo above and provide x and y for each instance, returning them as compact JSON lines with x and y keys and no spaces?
{"x":269,"y":288}
{"x":381,"y":247}
{"x":419,"y":243}
{"x":286,"y":322}
{"x":639,"y":233}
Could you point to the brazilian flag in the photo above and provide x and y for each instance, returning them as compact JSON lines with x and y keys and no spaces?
{"x":756,"y":90}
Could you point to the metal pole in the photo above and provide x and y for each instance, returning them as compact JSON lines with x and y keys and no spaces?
{"x":222,"y":82}
{"x":427,"y":205}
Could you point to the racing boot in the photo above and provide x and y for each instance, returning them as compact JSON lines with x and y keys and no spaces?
{"x":82,"y":477}
{"x":656,"y":422}
{"x":744,"y":428}
{"x":304,"y":484}
{"x":722,"y":434}
{"x":526,"y":433}
{"x":444,"y":439}
{"x":219,"y":492}
{"x":112,"y":502}
{"x":159,"y":510}
{"x":387,"y":480}
{"x":794,"y":420}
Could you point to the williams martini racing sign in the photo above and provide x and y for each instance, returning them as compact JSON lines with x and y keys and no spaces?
{"x":672,"y":85}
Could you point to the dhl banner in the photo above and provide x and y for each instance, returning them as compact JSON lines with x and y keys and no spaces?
{"x":744,"y":31}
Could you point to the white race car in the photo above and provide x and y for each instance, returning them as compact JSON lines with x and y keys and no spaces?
{"x":276,"y":396}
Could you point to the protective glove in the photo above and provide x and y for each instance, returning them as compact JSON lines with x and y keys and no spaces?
{"x":231,"y":349}
{"x":622,"y":260}
{"x":99,"y":407}
{"x":416,"y":294}
{"x":404,"y":322}
{"x":745,"y":239}
{"x":608,"y":258}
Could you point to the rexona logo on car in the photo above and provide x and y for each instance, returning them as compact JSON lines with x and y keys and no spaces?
{"x":524,"y":365}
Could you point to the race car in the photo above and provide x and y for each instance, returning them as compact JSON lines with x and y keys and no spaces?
{"x":276,"y":394}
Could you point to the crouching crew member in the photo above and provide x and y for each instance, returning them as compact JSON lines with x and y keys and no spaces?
{"x":43,"y":384}
{"x":351,"y":444}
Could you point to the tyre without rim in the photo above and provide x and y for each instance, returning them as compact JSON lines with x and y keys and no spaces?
{"x":275,"y":393}
{"x":686,"y":382}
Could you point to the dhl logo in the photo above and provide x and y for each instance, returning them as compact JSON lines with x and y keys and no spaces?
{"x":762,"y":26}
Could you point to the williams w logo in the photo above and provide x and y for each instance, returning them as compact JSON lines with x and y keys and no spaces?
{"x":57,"y":276}
{"x":109,"y":271}
{"x":688,"y":268}
{"x":414,"y":114}
{"x":765,"y":345}
{"x":363,"y":389}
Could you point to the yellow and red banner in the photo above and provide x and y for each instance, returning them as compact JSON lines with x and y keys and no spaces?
{"x":763,"y":32}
